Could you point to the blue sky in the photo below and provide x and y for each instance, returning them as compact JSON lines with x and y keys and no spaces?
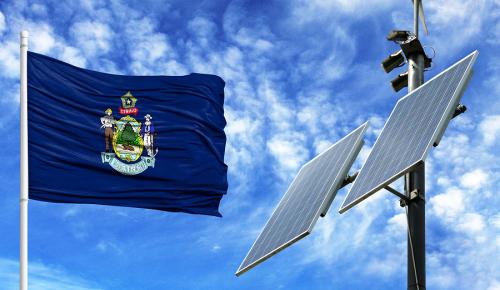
{"x":299,"y":75}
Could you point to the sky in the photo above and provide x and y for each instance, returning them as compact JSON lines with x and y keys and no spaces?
{"x":300,"y":75}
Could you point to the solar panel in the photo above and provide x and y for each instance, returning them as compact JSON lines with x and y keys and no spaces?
{"x":416,"y":123}
{"x":309,"y":195}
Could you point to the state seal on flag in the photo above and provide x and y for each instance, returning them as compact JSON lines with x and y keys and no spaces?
{"x":126,"y":139}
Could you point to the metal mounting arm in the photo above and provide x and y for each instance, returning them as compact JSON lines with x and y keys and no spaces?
{"x":404,"y":199}
{"x":397,"y":193}
{"x":460,"y":109}
{"x":349,"y":179}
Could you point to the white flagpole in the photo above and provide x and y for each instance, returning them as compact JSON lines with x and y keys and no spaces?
{"x":23,"y":202}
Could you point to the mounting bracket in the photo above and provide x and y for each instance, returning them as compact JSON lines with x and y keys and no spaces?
{"x":349,"y":179}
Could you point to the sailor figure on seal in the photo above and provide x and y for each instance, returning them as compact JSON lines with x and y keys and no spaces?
{"x":148,"y":134}
{"x":107,"y":123}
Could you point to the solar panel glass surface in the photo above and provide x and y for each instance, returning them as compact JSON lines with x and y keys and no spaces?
{"x":309,"y":194}
{"x":417,"y":121}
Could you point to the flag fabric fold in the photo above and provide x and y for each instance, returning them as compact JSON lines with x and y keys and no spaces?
{"x":152,"y":142}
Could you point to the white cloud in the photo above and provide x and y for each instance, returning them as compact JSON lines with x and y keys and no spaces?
{"x":474,"y":179}
{"x":73,"y":55}
{"x":280,"y":112}
{"x":495,"y":285}
{"x":247,"y":32}
{"x":463,"y":203}
{"x":150,"y":51}
{"x":9,"y":59}
{"x":286,"y":144}
{"x":244,"y":142}
{"x":305,"y":10}
{"x":471,"y":223}
{"x":71,"y":212}
{"x":38,"y":8}
{"x":448,"y":205}
{"x":442,"y":276}
{"x":93,"y":37}
{"x":42,"y":38}
{"x":403,"y":19}
{"x":89,"y":5}
{"x":494,"y":33}
{"x":248,"y":38}
{"x":42,"y":277}
{"x":289,"y":151}
{"x":376,"y":125}
{"x":146,"y":46}
{"x":216,"y":248}
{"x":495,"y":221}
{"x":108,"y":246}
{"x":204,"y":30}
{"x":317,"y":111}
{"x":492,"y":84}
{"x":443,"y":181}
{"x":385,"y":266}
{"x":321,"y":145}
{"x":399,"y":221}
{"x":445,"y":13}
{"x":490,"y":128}
{"x":458,"y":261}
{"x":449,"y":17}
{"x":10,"y":97}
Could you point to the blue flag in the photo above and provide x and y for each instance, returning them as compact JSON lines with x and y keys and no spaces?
{"x":152,"y":142}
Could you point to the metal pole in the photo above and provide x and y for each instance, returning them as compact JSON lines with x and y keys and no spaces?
{"x":23,"y":191}
{"x":415,"y":71}
{"x":415,"y":16}
{"x":415,"y":181}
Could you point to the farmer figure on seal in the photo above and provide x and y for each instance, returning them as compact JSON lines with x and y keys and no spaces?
{"x":107,"y":123}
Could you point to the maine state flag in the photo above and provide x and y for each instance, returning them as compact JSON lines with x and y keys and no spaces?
{"x":152,"y":142}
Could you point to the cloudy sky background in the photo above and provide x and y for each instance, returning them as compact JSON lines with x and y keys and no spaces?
{"x":299,"y":76}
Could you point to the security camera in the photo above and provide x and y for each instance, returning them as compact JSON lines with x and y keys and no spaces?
{"x":400,"y":82}
{"x":399,"y":35}
{"x":393,"y":61}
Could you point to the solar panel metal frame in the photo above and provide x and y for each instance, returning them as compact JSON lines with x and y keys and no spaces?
{"x":436,"y":137}
{"x":325,"y":204}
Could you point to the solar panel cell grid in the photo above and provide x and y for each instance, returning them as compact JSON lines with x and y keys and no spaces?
{"x":413,"y":126}
{"x":305,"y":199}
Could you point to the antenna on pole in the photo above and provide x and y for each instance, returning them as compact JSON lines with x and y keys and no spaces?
{"x":418,"y":12}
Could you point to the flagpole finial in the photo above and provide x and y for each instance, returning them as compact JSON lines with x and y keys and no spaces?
{"x":24,"y":38}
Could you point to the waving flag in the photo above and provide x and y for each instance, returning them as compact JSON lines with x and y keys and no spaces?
{"x":152,"y":142}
